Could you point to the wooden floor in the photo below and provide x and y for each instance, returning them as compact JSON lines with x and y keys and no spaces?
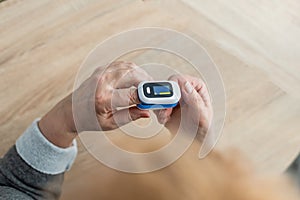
{"x":255,"y":44}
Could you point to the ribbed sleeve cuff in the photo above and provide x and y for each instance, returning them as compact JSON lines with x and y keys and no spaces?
{"x":41,"y":154}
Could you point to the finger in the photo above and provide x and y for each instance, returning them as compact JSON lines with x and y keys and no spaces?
{"x":116,"y":69}
{"x":99,"y":70}
{"x":133,"y":77}
{"x":178,"y":78}
{"x":125,"y":97}
{"x":164,"y":115}
{"x":191,"y":97}
{"x":156,"y":112}
{"x":126,"y":116}
{"x":195,"y":106}
{"x":205,"y":96}
{"x":120,"y":65}
{"x":196,"y":82}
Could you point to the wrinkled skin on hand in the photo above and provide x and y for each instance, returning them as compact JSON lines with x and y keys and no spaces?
{"x":195,"y":104}
{"x":116,"y":87}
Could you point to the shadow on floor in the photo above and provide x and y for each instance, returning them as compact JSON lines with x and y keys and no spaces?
{"x":294,"y":170}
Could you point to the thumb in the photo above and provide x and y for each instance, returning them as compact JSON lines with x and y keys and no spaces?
{"x":136,"y":113}
{"x":163,"y":115}
{"x":128,"y":115}
{"x":190,"y":96}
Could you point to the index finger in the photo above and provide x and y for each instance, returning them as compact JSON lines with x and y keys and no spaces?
{"x":197,"y":83}
{"x":124,"y":97}
{"x":132,"y":78}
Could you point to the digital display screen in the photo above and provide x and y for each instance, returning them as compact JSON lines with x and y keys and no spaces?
{"x":161,"y":90}
{"x":158,"y":89}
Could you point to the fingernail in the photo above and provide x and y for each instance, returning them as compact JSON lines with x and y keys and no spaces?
{"x":188,"y":87}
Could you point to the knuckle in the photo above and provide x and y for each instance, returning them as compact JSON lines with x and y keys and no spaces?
{"x":115,"y":64}
{"x":132,"y":116}
{"x":100,"y":69}
{"x":106,"y":126}
{"x":110,"y":126}
{"x":133,"y":97}
{"x":120,"y":62}
{"x":131,"y":64}
{"x":131,"y":74}
{"x":102,"y":98}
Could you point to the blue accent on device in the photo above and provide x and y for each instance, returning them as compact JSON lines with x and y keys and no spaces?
{"x":155,"y":106}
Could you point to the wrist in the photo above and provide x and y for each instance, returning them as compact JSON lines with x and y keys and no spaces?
{"x":65,"y":106}
{"x":58,"y":124}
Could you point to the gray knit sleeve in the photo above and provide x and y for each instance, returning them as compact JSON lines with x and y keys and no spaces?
{"x":34,"y":168}
{"x":18,"y":180}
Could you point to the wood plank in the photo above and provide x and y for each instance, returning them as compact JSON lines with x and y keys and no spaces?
{"x":254,"y":43}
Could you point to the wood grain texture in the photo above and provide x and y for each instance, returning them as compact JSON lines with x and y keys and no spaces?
{"x":254,"y":43}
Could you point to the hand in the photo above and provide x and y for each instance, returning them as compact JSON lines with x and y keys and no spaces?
{"x":195,"y":104}
{"x":115,"y":88}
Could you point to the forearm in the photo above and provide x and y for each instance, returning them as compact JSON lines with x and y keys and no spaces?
{"x":34,"y":167}
{"x":58,"y":124}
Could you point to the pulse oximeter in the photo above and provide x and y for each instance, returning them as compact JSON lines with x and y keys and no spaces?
{"x":158,"y":95}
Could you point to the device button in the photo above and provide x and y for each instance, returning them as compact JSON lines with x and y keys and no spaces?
{"x":148,"y":90}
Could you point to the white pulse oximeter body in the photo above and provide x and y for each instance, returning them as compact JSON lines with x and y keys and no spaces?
{"x":158,"y":95}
